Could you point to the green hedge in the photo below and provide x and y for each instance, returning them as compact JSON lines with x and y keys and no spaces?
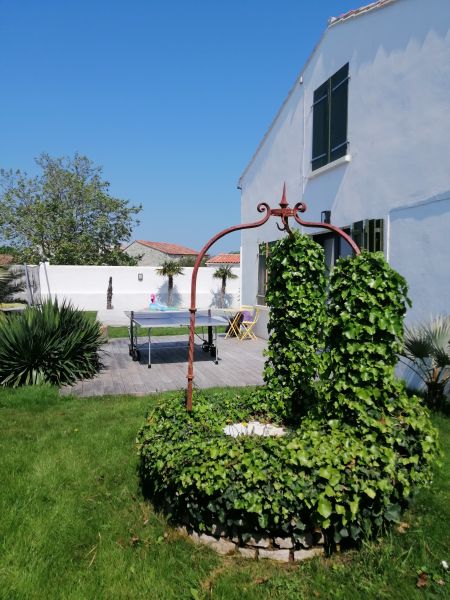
{"x":296,"y":293}
{"x":351,"y":464}
{"x":320,"y":475}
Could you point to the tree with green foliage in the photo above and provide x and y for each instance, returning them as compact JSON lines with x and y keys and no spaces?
{"x":189,"y":261}
{"x":224,"y":273}
{"x":65,"y":215}
{"x":170,"y":269}
{"x":8,"y":250}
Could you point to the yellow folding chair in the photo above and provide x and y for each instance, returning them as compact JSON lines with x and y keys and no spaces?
{"x":234,"y":325}
{"x":248,"y":323}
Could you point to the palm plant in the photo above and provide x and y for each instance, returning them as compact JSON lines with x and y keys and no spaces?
{"x":10,"y":284}
{"x":170,"y":269}
{"x":427,"y":350}
{"x":224,"y":273}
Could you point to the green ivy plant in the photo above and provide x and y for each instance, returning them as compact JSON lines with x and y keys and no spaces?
{"x":350,"y":464}
{"x":296,"y":294}
{"x":367,"y":304}
{"x":320,"y":475}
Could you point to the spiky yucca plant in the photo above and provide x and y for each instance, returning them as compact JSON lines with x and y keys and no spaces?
{"x":54,"y":344}
{"x":11,"y":283}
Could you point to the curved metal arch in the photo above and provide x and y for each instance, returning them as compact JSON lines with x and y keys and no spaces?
{"x":284,"y":213}
{"x":301,"y":207}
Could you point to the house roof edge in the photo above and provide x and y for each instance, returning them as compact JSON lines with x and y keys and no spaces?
{"x":332,"y":22}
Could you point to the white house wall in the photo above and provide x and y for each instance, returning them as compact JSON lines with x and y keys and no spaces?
{"x":151,"y":257}
{"x":86,"y":286}
{"x":398,"y":132}
{"x":415,"y":230}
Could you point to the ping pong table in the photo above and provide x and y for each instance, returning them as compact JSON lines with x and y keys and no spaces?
{"x":152,"y":319}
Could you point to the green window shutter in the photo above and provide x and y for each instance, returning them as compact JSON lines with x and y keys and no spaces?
{"x":375,"y":235}
{"x":262,"y":273}
{"x":358,"y":233}
{"x":263,"y":253}
{"x":338,"y":113}
{"x":369,"y":234}
{"x":330,"y":117}
{"x":321,"y":128}
{"x":379,"y":235}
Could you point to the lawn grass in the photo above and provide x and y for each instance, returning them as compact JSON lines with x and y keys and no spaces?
{"x":122,"y":332}
{"x":74,"y":524}
{"x":90,"y":314}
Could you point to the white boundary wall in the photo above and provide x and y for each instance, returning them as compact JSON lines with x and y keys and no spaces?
{"x":86,"y":286}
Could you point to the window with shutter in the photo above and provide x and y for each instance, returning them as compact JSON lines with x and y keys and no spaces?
{"x":264,"y":250}
{"x":369,"y":234}
{"x":262,"y":274}
{"x":334,"y":247}
{"x":330,"y":116}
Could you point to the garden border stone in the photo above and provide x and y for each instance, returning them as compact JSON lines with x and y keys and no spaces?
{"x":278,"y":548}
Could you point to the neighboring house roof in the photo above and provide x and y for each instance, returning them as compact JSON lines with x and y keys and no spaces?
{"x":6,"y":259}
{"x":332,"y":21}
{"x":168,"y":248}
{"x":229,"y":259}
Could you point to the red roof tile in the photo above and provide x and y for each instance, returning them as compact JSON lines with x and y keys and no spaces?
{"x":168,"y":248}
{"x":232,"y":259}
{"x":6,"y":259}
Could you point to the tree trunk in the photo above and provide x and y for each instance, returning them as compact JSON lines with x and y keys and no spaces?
{"x":109,"y":295}
{"x":224,"y":286}
{"x":435,"y":394}
{"x":170,"y":291}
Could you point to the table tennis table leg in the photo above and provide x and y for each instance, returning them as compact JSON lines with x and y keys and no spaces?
{"x":130,"y":333}
{"x":210,"y":336}
{"x":217,"y":346}
{"x":212,"y":343}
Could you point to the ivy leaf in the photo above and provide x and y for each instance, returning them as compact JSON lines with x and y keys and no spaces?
{"x":393,"y":513}
{"x":324,"y":507}
{"x":324,"y":472}
{"x":370,"y":492}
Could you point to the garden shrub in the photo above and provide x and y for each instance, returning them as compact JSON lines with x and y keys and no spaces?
{"x":296,"y":291}
{"x":321,"y":475}
{"x":350,"y":465}
{"x":367,"y":304}
{"x":52,"y":343}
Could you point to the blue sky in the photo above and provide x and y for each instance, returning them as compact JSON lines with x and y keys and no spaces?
{"x":170,"y":97}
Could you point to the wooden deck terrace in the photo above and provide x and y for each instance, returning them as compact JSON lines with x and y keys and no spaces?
{"x":241,"y":363}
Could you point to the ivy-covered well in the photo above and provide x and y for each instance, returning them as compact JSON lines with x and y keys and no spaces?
{"x":356,"y":446}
